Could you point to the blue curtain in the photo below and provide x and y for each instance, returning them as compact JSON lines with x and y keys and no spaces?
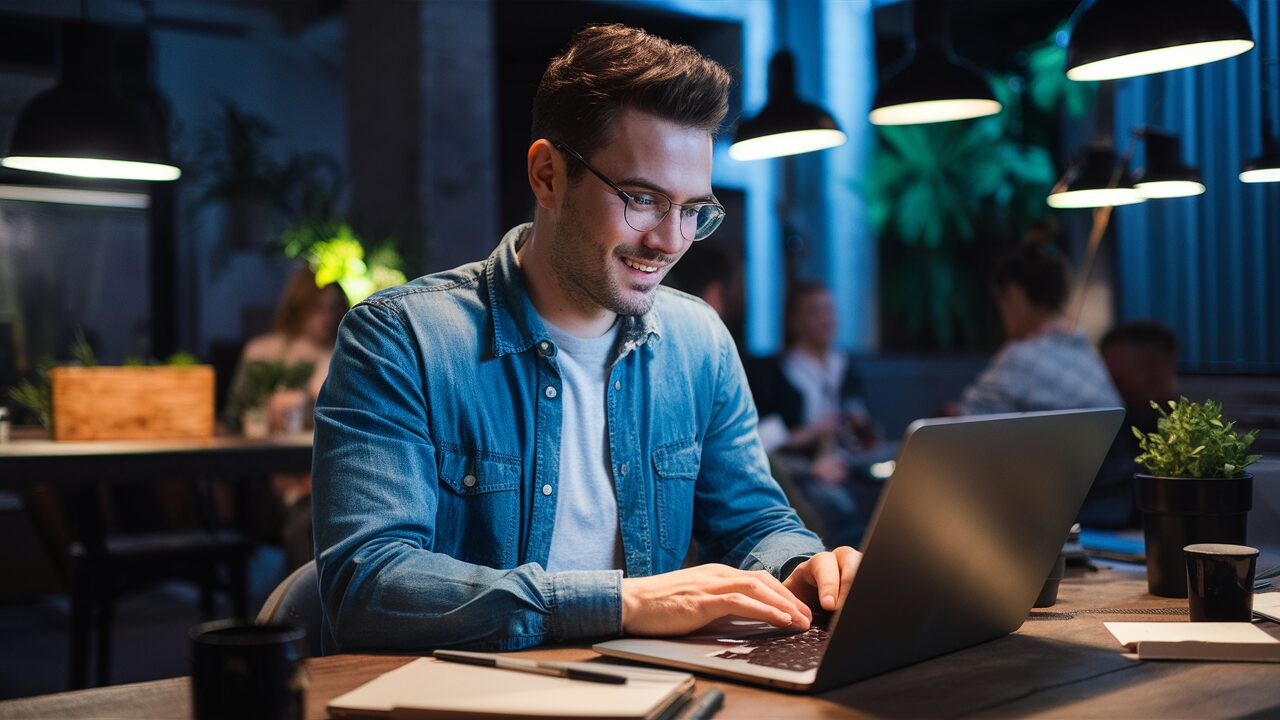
{"x":1208,"y":266}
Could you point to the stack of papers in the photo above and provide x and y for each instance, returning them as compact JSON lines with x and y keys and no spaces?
{"x":1233,"y":641}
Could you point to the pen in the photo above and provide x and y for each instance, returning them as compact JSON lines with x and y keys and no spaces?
{"x":706,"y":706}
{"x":529,"y":666}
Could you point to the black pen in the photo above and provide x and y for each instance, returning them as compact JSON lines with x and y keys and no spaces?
{"x":529,"y":666}
{"x":706,"y":706}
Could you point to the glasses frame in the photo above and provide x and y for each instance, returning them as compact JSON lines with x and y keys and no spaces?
{"x":627,"y":197}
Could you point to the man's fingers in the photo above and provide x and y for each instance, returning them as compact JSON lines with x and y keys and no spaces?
{"x":776,"y":585}
{"x":756,"y":586}
{"x":848,"y":560}
{"x":826,"y":577}
{"x":735,"y":603}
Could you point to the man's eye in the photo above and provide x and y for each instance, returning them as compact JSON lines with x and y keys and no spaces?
{"x":690,"y":212}
{"x":644,"y":201}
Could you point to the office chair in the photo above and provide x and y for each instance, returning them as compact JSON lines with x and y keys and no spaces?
{"x":296,"y":601}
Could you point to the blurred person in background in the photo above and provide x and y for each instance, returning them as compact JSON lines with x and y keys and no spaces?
{"x":813,"y":420}
{"x":1142,"y":359}
{"x":1044,"y":364}
{"x":300,"y":342}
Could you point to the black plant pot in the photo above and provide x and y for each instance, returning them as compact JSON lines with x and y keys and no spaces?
{"x":1177,"y":512}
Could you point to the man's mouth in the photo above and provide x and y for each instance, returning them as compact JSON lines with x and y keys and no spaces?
{"x":642,"y":267}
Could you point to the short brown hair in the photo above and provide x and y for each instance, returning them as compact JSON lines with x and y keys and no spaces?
{"x":610,"y":67}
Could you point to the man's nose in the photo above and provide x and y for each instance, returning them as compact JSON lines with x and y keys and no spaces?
{"x":666,"y":237}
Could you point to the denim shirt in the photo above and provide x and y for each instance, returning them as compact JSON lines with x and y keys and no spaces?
{"x":437,"y":459}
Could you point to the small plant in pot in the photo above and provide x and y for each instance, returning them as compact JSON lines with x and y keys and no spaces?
{"x":1196,"y":489}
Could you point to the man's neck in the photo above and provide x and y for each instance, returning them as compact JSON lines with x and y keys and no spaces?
{"x":1042,"y":324}
{"x":577,"y":316}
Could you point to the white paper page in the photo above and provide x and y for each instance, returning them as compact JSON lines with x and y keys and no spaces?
{"x":1131,"y":633}
{"x":1267,"y":605}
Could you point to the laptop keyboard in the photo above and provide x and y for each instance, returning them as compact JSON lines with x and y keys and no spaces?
{"x":796,"y":651}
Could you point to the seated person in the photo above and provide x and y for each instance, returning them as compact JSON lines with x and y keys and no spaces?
{"x":812,"y":417}
{"x":519,"y":450}
{"x":1142,"y":359}
{"x":1044,"y":364}
{"x":305,"y":328}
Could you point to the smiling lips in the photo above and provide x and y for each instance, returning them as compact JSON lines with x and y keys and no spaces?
{"x":640,"y":266}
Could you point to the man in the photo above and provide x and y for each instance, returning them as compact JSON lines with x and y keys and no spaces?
{"x":519,"y":450}
{"x":1043,"y":365}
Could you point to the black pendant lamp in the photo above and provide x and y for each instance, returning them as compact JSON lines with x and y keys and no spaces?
{"x":786,"y":125}
{"x":931,"y":84}
{"x":1123,"y":38}
{"x":85,"y":126}
{"x":1096,"y":180}
{"x":1265,"y":167}
{"x":1165,"y":175}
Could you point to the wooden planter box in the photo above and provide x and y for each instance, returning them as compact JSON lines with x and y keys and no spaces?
{"x":132,"y":403}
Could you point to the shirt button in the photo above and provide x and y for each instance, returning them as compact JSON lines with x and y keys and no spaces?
{"x":551,"y":392}
{"x":546,"y":489}
{"x":617,"y":384}
{"x":622,"y":469}
{"x":469,"y":481}
{"x":544,"y":347}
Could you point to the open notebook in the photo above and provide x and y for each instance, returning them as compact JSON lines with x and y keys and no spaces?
{"x":430,"y":688}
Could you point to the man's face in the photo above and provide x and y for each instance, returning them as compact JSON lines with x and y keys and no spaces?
{"x":1016,"y":313}
{"x":599,"y":260}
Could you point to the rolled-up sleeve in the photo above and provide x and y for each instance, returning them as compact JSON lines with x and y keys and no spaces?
{"x":375,"y":503}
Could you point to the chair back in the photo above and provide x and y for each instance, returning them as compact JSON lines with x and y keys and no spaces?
{"x":296,"y":601}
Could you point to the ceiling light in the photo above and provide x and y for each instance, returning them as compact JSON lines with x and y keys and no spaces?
{"x":786,"y":125}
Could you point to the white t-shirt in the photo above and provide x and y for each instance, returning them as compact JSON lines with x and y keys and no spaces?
{"x":586,"y":535}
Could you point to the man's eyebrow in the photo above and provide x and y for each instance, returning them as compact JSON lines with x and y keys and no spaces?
{"x":642,"y":183}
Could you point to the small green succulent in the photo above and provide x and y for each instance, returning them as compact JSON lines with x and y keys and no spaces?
{"x":1192,"y":441}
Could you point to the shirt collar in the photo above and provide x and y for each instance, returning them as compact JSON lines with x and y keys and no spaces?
{"x":517,"y":326}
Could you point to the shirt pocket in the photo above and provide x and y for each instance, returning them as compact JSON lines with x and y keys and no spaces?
{"x":675,"y":467}
{"x":479,"y":506}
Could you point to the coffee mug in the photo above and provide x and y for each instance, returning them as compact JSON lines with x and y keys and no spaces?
{"x":1220,"y":582}
{"x":244,"y":670}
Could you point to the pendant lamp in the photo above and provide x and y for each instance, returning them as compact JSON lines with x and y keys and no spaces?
{"x":1113,"y":39}
{"x":85,"y":126}
{"x":1265,"y":167}
{"x":786,"y":125}
{"x":1093,"y":182}
{"x":931,"y":84}
{"x":1165,"y":176}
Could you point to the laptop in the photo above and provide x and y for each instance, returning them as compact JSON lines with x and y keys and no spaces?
{"x":967,"y":529}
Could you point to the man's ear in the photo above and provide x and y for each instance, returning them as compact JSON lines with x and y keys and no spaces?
{"x":546,"y":174}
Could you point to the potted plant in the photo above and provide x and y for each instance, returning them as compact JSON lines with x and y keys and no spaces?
{"x":1196,"y":489}
{"x":257,"y":382}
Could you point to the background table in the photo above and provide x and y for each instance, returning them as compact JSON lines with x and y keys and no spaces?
{"x":1061,"y":663}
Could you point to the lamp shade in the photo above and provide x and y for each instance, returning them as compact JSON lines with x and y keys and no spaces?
{"x":786,"y":125}
{"x":932,"y":85}
{"x":1265,"y":167}
{"x":1123,"y":38}
{"x":84,"y":126}
{"x":1165,"y":175}
{"x":1092,"y":182}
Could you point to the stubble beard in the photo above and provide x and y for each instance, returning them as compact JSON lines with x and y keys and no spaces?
{"x":583,"y":270}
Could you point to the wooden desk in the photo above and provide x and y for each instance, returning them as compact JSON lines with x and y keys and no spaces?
{"x":1061,"y":663}
{"x":26,"y":462}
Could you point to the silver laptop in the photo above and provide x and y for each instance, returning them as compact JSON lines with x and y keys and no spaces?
{"x":965,"y":533}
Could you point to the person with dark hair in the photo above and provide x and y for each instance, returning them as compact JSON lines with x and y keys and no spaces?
{"x":520,"y":450}
{"x":1142,"y":358}
{"x":1044,"y":364}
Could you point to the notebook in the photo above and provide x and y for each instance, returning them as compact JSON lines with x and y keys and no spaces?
{"x":430,"y":688}
{"x":1237,"y":641}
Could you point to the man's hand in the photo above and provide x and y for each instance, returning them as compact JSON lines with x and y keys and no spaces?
{"x":680,"y":602}
{"x":823,"y":580}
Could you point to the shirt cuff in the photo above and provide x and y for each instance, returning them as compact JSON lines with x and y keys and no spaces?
{"x":586,"y":604}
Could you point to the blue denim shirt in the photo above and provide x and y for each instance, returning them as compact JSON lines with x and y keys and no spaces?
{"x":437,"y":462}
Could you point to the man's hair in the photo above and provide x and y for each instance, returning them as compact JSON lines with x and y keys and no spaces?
{"x":1040,"y":271}
{"x":1143,"y":334}
{"x":607,"y":68}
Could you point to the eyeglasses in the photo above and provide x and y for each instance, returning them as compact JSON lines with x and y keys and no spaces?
{"x":644,"y":211}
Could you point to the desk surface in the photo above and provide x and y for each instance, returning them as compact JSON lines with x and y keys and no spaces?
{"x":1061,"y":663}
{"x":23,"y":462}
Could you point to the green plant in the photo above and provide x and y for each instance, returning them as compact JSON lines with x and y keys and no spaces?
{"x":1192,"y":441}
{"x":256,"y":380}
{"x":337,"y":255}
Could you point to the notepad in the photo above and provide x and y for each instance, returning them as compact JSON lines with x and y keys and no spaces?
{"x":1267,"y":605}
{"x":429,"y":688}
{"x":1232,"y":641}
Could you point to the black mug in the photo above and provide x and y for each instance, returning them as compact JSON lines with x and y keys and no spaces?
{"x":243,"y":670}
{"x":1220,"y":582}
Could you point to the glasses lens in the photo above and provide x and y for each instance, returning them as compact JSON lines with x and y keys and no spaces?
{"x":708,"y":219}
{"x":645,"y":210}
